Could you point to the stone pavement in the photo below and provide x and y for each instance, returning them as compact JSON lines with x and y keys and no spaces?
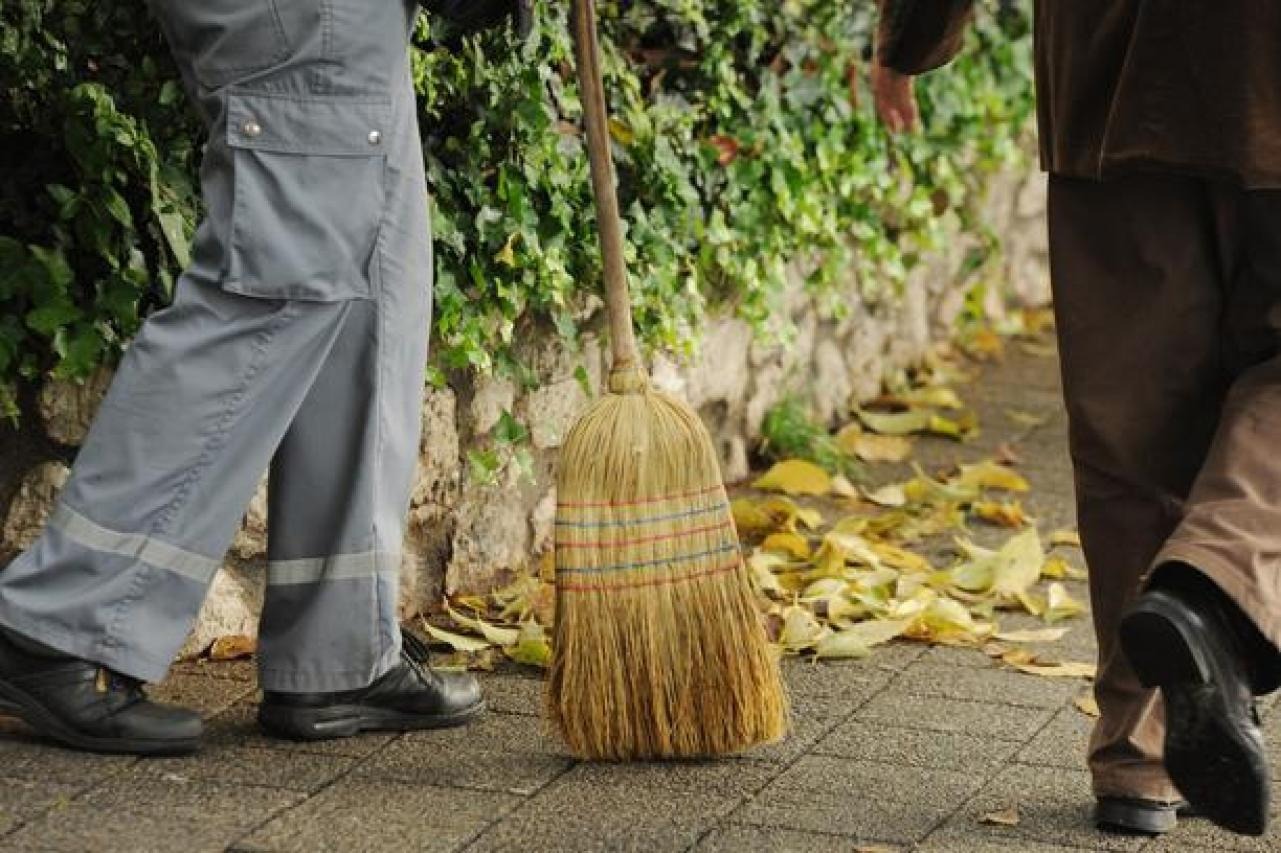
{"x":908,"y":750}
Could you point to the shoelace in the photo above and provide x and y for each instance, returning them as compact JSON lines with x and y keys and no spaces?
{"x":414,"y":648}
{"x":416,"y":652}
{"x":127,"y":691}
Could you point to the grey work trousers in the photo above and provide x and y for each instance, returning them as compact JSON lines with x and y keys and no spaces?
{"x":296,"y":342}
{"x":1168,"y":298}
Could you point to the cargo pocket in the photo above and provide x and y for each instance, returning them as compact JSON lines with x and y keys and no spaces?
{"x":224,"y":41}
{"x":309,"y":195}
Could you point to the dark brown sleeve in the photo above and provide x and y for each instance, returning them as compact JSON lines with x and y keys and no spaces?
{"x":920,"y":35}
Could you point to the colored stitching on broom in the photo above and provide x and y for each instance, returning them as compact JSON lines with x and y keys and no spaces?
{"x":632,"y":522}
{"x":679,"y":558}
{"x":672,"y":581}
{"x":641,"y":501}
{"x":622,"y":543}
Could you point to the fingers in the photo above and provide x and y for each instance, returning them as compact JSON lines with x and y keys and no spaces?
{"x":894,"y":95}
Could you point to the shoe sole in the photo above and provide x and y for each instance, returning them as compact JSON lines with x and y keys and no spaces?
{"x":342,"y":721}
{"x":1123,"y":817}
{"x":1220,"y":768}
{"x":21,"y":705}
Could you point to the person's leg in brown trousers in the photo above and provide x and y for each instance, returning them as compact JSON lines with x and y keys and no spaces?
{"x":1136,"y":265}
{"x":1168,"y":298}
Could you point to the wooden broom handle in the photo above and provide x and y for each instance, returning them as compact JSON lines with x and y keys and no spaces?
{"x":617,"y":301}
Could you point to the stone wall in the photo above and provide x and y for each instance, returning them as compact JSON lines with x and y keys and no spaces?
{"x":469,"y":535}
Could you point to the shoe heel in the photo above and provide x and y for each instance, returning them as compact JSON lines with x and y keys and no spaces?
{"x":1156,"y":642}
{"x":308,"y":724}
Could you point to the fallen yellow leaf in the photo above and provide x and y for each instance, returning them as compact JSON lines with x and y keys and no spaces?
{"x":1059,"y":670}
{"x":1041,"y":635}
{"x":1087,"y":704}
{"x":801,"y":629}
{"x":233,"y":647}
{"x":1008,"y":816}
{"x":931,"y":396}
{"x":1060,"y":604}
{"x":990,"y":475}
{"x":792,"y":544}
{"x":1067,"y":538}
{"x":895,"y":423}
{"x":858,"y":640}
{"x":1001,"y":513}
{"x":532,"y":646}
{"x":796,"y":477}
{"x":494,"y":634}
{"x":1025,"y":419}
{"x":457,"y":642}
{"x":875,"y":448}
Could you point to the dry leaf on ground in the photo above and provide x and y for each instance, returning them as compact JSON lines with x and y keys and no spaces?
{"x":1065,"y":538}
{"x":457,"y":642}
{"x":1008,"y":816}
{"x":233,"y":647}
{"x":1087,"y":704}
{"x":1037,"y":635}
{"x":796,"y":477}
{"x":1070,"y":669}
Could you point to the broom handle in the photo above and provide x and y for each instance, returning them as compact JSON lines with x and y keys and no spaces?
{"x":617,"y":301}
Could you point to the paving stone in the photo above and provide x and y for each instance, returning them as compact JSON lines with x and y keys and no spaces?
{"x":915,"y":747}
{"x":26,"y":755}
{"x":991,"y":684}
{"x":500,"y":752}
{"x":979,"y":845}
{"x":737,"y":838}
{"x":248,"y":765}
{"x":812,"y":718}
{"x":201,"y":693}
{"x":861,"y":799}
{"x":1055,"y":806}
{"x":513,"y":694}
{"x":1203,"y":835}
{"x":238,"y":726}
{"x":954,"y":656}
{"x":359,"y":814}
{"x":1062,"y":743}
{"x":852,"y":680}
{"x":1077,"y":645}
{"x":138,"y":813}
{"x":627,"y":807}
{"x":23,"y":798}
{"x":233,"y":670}
{"x":978,"y":719}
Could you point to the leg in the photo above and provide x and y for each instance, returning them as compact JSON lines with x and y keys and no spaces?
{"x":158,"y":490}
{"x":1137,"y":265}
{"x":1232,"y":528}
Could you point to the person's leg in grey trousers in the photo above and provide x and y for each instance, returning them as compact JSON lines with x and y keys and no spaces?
{"x":297,"y":339}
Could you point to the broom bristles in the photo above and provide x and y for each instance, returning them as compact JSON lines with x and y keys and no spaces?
{"x":659,"y":649}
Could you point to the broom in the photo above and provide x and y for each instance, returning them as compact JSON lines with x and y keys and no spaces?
{"x":659,"y":649}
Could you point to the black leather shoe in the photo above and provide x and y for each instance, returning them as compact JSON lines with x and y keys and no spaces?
{"x":1135,"y":816}
{"x":89,"y":707}
{"x":409,"y":696}
{"x":1214,"y":752}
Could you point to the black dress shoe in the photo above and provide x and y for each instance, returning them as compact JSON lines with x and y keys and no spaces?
{"x":409,"y":696}
{"x":86,"y":706}
{"x":1186,"y":645}
{"x":1136,"y":816}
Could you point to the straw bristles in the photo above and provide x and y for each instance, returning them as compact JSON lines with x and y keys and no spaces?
{"x":659,"y":648}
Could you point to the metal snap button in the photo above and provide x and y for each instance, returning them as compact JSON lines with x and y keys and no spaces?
{"x":375,"y":138}
{"x":251,"y":129}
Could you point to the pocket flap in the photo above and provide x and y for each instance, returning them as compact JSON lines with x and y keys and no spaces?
{"x":338,"y":126}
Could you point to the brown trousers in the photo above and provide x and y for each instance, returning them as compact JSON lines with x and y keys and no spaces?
{"x":1168,"y":301}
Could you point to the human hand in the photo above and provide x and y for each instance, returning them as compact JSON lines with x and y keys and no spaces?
{"x":894,"y":95}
